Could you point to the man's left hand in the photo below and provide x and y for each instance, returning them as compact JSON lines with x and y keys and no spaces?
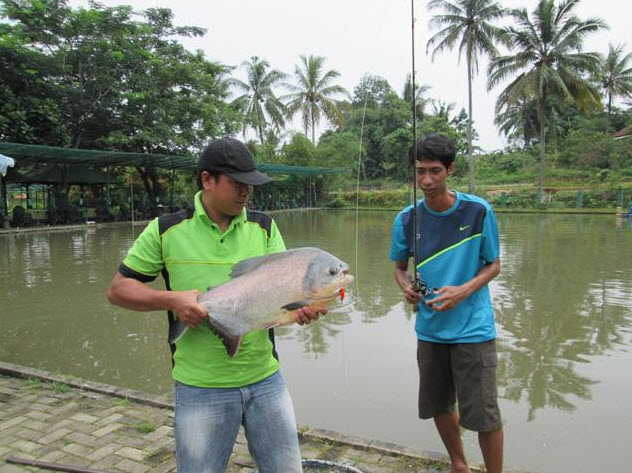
{"x":449,"y":298}
{"x":305,"y":315}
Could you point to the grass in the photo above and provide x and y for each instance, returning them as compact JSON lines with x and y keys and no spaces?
{"x":59,"y":387}
{"x":558,"y":196}
{"x":33,"y":383}
{"x":145,"y":427}
{"x":439,"y":465}
{"x":123,"y":402}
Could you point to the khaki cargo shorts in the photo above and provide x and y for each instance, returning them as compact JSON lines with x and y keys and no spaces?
{"x":465,"y":372}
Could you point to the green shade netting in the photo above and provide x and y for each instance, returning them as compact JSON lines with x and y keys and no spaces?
{"x":57,"y":174}
{"x":26,"y":154}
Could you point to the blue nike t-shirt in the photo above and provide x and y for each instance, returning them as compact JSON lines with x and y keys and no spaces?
{"x":452,"y":247}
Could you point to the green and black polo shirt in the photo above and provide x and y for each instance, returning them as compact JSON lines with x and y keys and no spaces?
{"x":191,"y":252}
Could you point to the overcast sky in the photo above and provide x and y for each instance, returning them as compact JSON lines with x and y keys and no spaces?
{"x":358,"y":37}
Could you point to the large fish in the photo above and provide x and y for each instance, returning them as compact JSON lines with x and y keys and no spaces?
{"x":266,"y":291}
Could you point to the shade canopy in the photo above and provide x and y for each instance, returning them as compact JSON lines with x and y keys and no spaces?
{"x":26,"y":154}
{"x":57,"y":174}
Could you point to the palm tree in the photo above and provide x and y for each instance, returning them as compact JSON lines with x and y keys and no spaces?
{"x":443,"y":109}
{"x":313,"y":93}
{"x":469,"y":23}
{"x":421,"y":101}
{"x":260,"y":104}
{"x":616,"y":75}
{"x":548,"y":62}
{"x":518,"y":118}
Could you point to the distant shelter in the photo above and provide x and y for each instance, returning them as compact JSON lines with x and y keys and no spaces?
{"x":53,"y":185}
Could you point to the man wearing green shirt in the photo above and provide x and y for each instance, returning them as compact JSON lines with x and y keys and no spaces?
{"x":195,"y":249}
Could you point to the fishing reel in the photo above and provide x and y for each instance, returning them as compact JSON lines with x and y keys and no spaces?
{"x":420,"y":287}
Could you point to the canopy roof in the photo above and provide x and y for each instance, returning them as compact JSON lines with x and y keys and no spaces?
{"x":54,"y":174}
{"x":29,"y":154}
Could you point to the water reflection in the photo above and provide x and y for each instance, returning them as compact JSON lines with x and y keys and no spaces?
{"x":562,"y":297}
{"x":315,"y":338}
{"x":54,"y":313}
{"x":562,"y":304}
{"x":564,"y":292}
{"x":372,"y":294}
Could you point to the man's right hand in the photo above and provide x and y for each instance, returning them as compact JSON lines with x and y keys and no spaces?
{"x":187,"y":308}
{"x":405,"y":282}
{"x":412,"y":296}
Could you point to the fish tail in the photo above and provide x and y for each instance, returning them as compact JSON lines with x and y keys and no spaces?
{"x":176,"y":330}
{"x":230,"y":341}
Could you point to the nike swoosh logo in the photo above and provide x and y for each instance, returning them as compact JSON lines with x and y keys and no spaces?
{"x":463,"y":228}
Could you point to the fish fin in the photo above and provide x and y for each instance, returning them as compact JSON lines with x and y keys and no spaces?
{"x":176,"y":331}
{"x":250,"y":263}
{"x":295,"y":305}
{"x":245,"y":265}
{"x":231,"y":342}
{"x":270,"y":325}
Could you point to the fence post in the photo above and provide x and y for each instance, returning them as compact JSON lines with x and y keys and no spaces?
{"x":538,"y":198}
{"x":579,"y":202}
{"x":620,"y":197}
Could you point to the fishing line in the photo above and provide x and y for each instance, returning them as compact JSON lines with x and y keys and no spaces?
{"x":366,"y":96}
{"x":357,"y":261}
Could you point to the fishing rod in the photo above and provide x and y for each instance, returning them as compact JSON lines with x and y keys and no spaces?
{"x":418,"y":284}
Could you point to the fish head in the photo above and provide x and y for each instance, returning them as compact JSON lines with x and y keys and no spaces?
{"x":327,"y":277}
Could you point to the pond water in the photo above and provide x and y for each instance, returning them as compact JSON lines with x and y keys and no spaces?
{"x":563,"y":311}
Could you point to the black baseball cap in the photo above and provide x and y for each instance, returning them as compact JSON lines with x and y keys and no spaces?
{"x":233,"y":158}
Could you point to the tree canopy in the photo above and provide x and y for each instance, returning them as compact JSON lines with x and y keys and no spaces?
{"x":103,"y":78}
{"x":111,"y":78}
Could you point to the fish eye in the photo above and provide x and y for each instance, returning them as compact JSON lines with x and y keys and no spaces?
{"x":333,"y":270}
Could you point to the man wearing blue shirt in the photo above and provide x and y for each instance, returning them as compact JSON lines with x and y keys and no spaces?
{"x":458,"y":255}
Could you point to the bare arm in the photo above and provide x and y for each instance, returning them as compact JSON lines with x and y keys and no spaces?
{"x":451,"y":296}
{"x":135,"y":295}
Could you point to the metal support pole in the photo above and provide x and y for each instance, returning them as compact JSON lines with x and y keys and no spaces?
{"x":4,"y":209}
{"x":131,"y":199}
{"x":173,"y":189}
{"x":108,"y":195}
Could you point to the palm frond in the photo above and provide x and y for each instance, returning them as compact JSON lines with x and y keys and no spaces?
{"x":312,"y":92}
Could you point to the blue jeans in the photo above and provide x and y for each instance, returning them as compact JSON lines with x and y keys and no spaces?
{"x":207,"y":422}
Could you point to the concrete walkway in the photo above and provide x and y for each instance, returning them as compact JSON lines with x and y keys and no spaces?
{"x":68,"y":421}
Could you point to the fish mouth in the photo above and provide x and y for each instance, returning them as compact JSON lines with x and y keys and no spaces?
{"x":347,"y":278}
{"x":336,"y":289}
{"x":343,"y":281}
